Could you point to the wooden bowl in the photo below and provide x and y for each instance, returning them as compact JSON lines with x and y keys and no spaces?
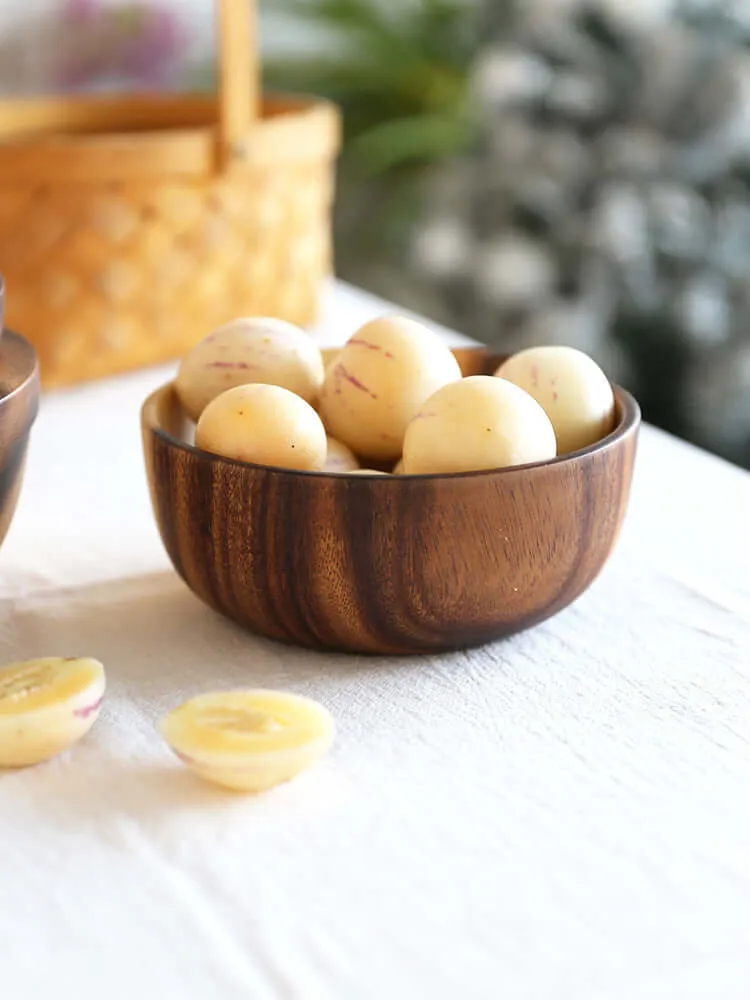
{"x":19,"y":402}
{"x":387,"y":564}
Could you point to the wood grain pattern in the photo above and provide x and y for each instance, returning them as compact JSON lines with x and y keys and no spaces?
{"x":393,"y":564}
{"x":19,"y":402}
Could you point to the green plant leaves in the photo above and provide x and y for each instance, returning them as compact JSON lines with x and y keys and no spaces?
{"x":402,"y":140}
{"x":398,"y":71}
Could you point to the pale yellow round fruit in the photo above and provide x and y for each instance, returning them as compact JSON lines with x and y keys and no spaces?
{"x":263,"y":424}
{"x":339,"y":458}
{"x":47,"y":705}
{"x":398,"y":468}
{"x":252,"y":349}
{"x":249,"y":740}
{"x":571,"y":388}
{"x":368,"y":472}
{"x":378,"y":382}
{"x":481,"y":422}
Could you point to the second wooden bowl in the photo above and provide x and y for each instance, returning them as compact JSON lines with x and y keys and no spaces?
{"x":387,"y":564}
{"x":19,"y":402}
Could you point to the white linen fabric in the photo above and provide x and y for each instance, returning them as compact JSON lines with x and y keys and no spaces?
{"x":561,"y":815}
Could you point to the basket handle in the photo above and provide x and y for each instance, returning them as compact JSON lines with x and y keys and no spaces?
{"x":238,"y":72}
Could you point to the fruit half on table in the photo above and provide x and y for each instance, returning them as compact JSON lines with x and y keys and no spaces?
{"x":248,"y":740}
{"x":47,"y":705}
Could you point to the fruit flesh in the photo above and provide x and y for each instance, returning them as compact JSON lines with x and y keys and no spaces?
{"x":47,"y":705}
{"x":248,"y":740}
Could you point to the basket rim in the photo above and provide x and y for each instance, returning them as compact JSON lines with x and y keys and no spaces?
{"x":45,"y":141}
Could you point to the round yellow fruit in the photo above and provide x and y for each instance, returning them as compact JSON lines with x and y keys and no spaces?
{"x":263,"y":424}
{"x":252,"y":349}
{"x":378,"y":382}
{"x":47,"y":705}
{"x":249,"y":740}
{"x":481,"y":422}
{"x":339,"y":458}
{"x":571,"y":388}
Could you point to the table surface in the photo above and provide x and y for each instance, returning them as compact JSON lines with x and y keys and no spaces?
{"x":565,"y":814}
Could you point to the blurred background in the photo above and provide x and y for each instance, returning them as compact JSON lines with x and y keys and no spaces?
{"x":525,"y":171}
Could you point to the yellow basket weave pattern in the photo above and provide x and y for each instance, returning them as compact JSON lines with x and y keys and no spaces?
{"x":122,"y":248}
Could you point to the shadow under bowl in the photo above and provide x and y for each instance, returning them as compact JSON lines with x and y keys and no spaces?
{"x":19,"y":404}
{"x":387,"y":564}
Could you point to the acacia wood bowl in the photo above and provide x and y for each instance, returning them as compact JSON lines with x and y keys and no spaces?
{"x":387,"y":564}
{"x":19,"y":402}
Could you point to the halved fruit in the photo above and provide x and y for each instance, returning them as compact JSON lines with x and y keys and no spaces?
{"x":46,"y":706}
{"x":249,"y":740}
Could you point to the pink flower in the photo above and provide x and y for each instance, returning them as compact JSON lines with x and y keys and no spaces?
{"x":75,"y":10}
{"x":136,"y":43}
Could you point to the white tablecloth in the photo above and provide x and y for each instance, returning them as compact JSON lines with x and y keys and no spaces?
{"x":562,"y":815}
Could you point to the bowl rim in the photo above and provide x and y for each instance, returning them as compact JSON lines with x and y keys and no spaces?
{"x":32,"y":375}
{"x":628,"y":424}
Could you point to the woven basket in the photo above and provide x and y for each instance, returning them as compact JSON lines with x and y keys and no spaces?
{"x":130,"y":227}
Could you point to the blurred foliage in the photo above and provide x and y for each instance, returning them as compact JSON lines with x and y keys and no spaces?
{"x":398,"y":71}
{"x":606,"y":203}
{"x":538,"y":171}
{"x":398,"y":75}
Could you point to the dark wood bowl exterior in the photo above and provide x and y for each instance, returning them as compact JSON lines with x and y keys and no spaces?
{"x":389,"y":565}
{"x":19,"y":402}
